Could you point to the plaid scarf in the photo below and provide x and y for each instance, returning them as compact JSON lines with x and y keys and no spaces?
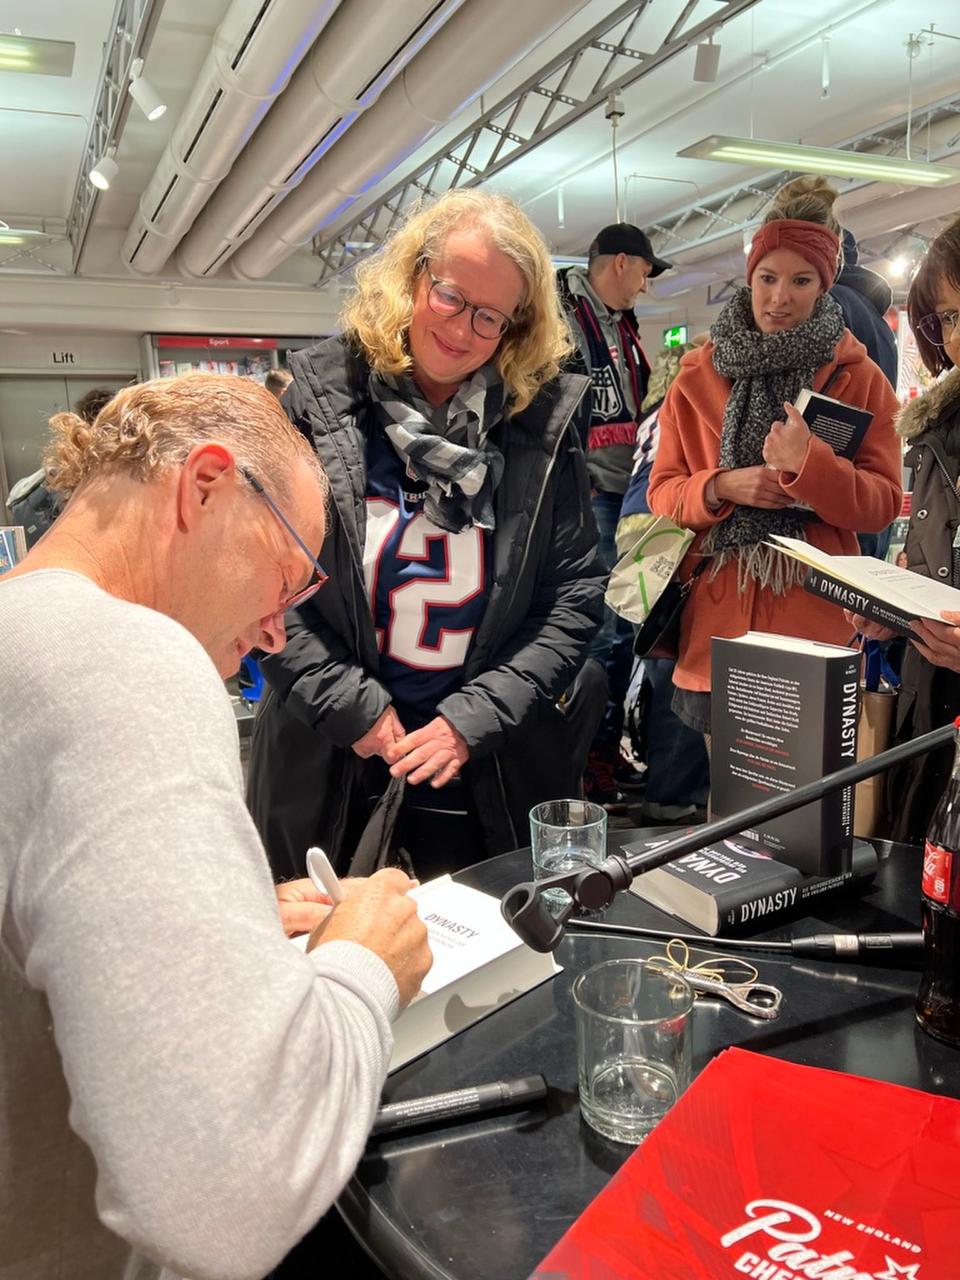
{"x":766,"y":370}
{"x":447,"y":447}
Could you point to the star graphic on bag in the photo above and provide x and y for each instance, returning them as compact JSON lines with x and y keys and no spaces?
{"x":894,"y":1271}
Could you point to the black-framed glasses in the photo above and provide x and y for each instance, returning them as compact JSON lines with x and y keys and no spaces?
{"x":318,"y":577}
{"x":938,"y":326}
{"x":446,"y":300}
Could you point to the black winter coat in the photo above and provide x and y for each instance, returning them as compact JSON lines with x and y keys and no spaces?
{"x":929,"y":695}
{"x":545,"y":604}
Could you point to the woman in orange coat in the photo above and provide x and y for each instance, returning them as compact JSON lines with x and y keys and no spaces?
{"x":736,"y":458}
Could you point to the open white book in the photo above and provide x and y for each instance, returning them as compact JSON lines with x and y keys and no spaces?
{"x":479,"y":965}
{"x":877,"y":590}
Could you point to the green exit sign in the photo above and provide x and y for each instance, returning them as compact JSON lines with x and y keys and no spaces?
{"x":676,"y":336}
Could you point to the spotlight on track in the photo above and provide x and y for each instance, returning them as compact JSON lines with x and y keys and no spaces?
{"x":708,"y":61}
{"x":105,"y":170}
{"x":143,"y":92}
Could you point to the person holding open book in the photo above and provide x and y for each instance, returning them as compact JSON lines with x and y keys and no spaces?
{"x":737,"y":463}
{"x":930,"y":676}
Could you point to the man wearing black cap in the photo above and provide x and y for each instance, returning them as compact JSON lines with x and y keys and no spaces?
{"x":599,"y":301}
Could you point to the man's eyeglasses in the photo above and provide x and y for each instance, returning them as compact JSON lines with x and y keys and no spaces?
{"x":446,"y":300}
{"x":938,"y":326}
{"x":318,"y":577}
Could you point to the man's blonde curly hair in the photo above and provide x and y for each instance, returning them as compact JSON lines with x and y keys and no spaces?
{"x":152,"y":426}
{"x":378,"y":315}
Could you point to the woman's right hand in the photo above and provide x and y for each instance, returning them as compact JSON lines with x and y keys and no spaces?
{"x":381,"y":735}
{"x":751,"y":487}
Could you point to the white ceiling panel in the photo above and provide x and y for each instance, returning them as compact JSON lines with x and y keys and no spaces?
{"x":769,"y":84}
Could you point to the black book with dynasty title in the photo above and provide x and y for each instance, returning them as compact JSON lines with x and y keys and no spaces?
{"x":882,"y":592}
{"x":783,"y":714}
{"x":734,"y":885}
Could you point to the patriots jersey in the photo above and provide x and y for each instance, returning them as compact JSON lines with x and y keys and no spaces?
{"x":427,"y":588}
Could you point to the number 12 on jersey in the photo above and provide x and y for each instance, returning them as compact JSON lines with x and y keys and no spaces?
{"x":404,"y":582}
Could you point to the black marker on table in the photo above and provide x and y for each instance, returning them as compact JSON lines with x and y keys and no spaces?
{"x":500,"y":1096}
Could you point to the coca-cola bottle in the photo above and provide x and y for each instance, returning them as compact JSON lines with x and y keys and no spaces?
{"x":938,"y":1000}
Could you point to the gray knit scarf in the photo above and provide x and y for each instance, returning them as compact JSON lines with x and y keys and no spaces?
{"x":766,"y":370}
{"x":447,"y":447}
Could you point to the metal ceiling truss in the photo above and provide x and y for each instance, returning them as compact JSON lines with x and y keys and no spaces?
{"x":719,"y":293}
{"x":668,"y":235}
{"x":578,"y":81}
{"x":134,"y":22}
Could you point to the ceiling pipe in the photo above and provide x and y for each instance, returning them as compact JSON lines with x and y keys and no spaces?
{"x":344,"y":75}
{"x":254,"y":52}
{"x":479,"y":44}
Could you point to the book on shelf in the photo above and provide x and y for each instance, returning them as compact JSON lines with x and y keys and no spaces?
{"x":479,"y":965}
{"x":767,"y":1169}
{"x":783,"y":713}
{"x":841,"y":426}
{"x":734,"y":884}
{"x":882,"y":592}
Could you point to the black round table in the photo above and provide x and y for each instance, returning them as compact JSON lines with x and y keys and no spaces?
{"x":489,"y":1197}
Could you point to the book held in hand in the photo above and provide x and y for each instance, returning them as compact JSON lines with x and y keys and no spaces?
{"x":784,"y":713}
{"x":775,"y":1171}
{"x":479,"y":965}
{"x":841,"y":426}
{"x":882,"y":592}
{"x":734,"y":885}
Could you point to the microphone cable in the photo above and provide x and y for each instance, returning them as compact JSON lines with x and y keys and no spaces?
{"x":823,"y":946}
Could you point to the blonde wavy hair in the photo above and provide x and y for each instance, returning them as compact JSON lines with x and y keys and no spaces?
{"x":378,"y":315}
{"x":148,"y":428}
{"x":807,"y":199}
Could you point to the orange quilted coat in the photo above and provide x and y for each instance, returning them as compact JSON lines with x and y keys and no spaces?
{"x":849,"y":497}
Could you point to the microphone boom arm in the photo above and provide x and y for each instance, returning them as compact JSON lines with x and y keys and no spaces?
{"x":527,"y":913}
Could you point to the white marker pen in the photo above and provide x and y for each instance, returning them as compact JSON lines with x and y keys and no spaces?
{"x":323,"y":875}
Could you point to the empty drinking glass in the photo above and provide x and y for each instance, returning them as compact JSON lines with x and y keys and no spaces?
{"x":633,"y":1045}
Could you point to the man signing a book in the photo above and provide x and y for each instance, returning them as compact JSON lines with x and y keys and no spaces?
{"x":183,"y":1088}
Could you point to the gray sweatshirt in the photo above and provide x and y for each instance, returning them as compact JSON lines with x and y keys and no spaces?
{"x":179,"y":1085}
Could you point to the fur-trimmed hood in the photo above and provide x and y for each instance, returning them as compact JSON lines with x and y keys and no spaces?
{"x":917,"y":415}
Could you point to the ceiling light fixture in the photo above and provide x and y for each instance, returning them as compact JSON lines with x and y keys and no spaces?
{"x":898,"y":266}
{"x":844,"y":164}
{"x":708,"y":61}
{"x":35,"y":56}
{"x":105,"y":170}
{"x":143,"y":92}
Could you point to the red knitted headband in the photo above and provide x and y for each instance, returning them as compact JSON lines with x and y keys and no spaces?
{"x":817,"y":244}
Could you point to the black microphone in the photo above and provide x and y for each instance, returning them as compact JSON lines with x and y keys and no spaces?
{"x":525,"y":910}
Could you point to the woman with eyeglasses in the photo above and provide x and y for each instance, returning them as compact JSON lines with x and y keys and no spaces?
{"x":463,"y":583}
{"x":930,"y":426}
